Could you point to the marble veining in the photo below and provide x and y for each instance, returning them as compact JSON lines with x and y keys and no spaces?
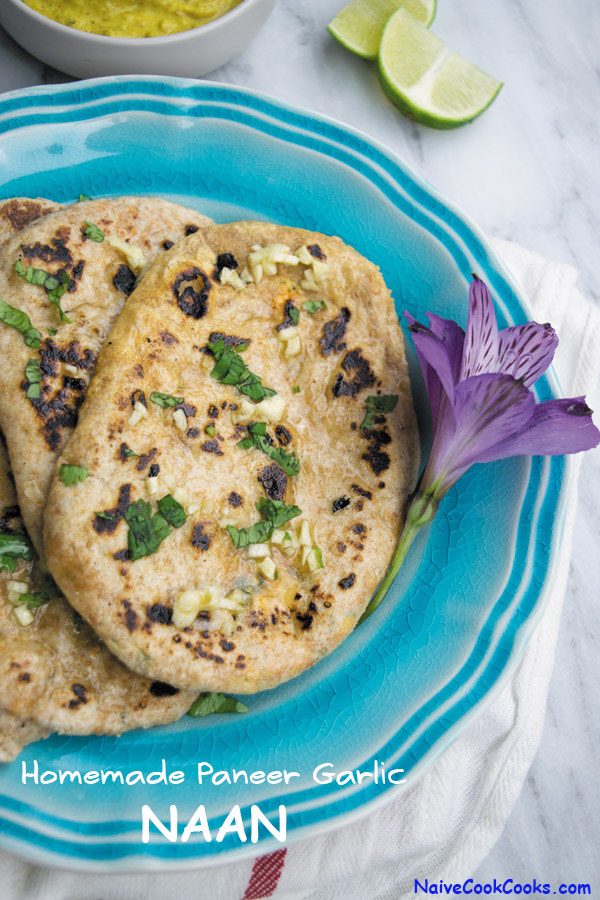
{"x":527,"y":171}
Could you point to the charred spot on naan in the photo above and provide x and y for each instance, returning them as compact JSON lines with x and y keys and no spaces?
{"x":274,"y":481}
{"x":56,"y":251}
{"x":375,"y":455}
{"x":200,"y":539}
{"x":106,"y":522}
{"x":61,"y":395}
{"x":334,"y":332}
{"x":22,"y":212}
{"x":224,"y":261}
{"x":191,"y":289}
{"x":124,"y":280}
{"x":360,"y":372}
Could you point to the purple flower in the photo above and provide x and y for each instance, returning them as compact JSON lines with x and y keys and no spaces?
{"x":478,"y":385}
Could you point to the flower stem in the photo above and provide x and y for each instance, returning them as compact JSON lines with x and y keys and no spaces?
{"x":421,"y":511}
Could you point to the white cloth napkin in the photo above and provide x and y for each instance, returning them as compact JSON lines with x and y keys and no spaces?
{"x":446,"y":824}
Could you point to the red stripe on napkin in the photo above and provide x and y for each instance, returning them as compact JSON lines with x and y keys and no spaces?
{"x":266,"y":873}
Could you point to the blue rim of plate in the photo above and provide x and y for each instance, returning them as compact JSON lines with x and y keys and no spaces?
{"x":32,"y":832}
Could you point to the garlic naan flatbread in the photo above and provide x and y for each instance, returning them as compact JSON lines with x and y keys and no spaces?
{"x":55,"y":673}
{"x":79,"y":262}
{"x":15,"y":733}
{"x":18,"y":212}
{"x":249,"y":449}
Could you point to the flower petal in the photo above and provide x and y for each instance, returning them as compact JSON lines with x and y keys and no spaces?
{"x":526,"y":351}
{"x":556,"y":427}
{"x":481,"y":342}
{"x":488,"y":409}
{"x":435,"y":363}
{"x":453,"y":338}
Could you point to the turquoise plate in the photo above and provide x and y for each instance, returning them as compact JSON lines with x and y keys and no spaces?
{"x":453,"y":628}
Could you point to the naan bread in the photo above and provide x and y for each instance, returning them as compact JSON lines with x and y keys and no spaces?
{"x":15,"y":733}
{"x":18,"y":212}
{"x":256,"y":627}
{"x":55,"y":673}
{"x":101,"y":275}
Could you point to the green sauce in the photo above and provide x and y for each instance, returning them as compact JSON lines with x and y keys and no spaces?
{"x":133,"y":18}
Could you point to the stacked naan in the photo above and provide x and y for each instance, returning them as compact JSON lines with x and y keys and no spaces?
{"x":221,"y":506}
{"x":56,"y":674}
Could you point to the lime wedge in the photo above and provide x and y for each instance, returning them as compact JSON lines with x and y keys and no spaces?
{"x":359,"y":25}
{"x":428,"y":82}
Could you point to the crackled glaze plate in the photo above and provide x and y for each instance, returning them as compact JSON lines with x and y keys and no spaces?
{"x":453,"y":627}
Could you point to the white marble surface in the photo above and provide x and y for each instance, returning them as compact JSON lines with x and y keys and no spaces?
{"x":527,"y":170}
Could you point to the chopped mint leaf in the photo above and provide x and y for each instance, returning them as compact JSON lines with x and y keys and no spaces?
{"x":33,"y":374}
{"x":210,"y":430}
{"x":172,"y":511}
{"x":94,"y":233}
{"x":72,"y":474}
{"x":52,"y":331}
{"x":165,"y":400}
{"x":146,"y":531}
{"x":16,"y":318}
{"x":206,"y":704}
{"x":230,"y":368}
{"x":55,"y":285}
{"x":127,"y":451}
{"x":296,"y":388}
{"x":374,"y":405}
{"x":313,"y":306}
{"x":258,"y":438}
{"x":83,"y":197}
{"x":319,"y":556}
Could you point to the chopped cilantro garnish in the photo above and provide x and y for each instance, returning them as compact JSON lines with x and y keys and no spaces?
{"x":294,"y":314}
{"x":52,"y":331}
{"x":230,"y":368}
{"x":33,"y":374}
{"x":55,"y":285}
{"x":258,"y":438}
{"x":210,"y":430}
{"x":14,"y":545}
{"x":127,"y":451}
{"x":94,"y":233}
{"x":319,"y":556}
{"x":165,"y":400}
{"x":16,"y":318}
{"x":72,"y":474}
{"x":147,"y":531}
{"x":277,"y":512}
{"x":172,"y":511}
{"x":296,"y":388}
{"x":382,"y":404}
{"x":83,"y":197}
{"x":215,"y":703}
{"x":34,"y":599}
{"x":313,"y":306}
{"x":274,"y":514}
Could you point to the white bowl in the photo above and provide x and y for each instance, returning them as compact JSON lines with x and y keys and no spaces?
{"x":85,"y":55}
